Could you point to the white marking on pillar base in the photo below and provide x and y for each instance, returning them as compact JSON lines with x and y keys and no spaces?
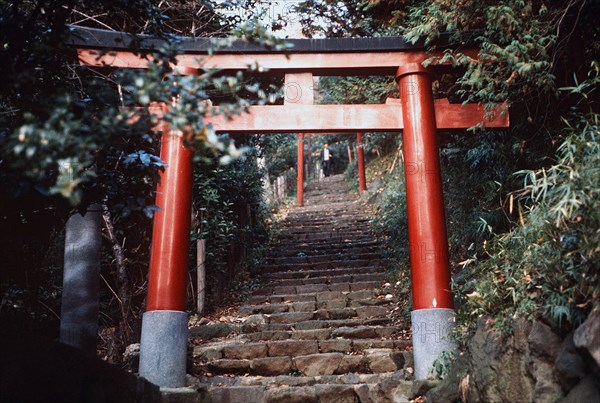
{"x":431,"y":336}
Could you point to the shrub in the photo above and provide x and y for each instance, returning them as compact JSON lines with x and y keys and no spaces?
{"x":548,"y":267}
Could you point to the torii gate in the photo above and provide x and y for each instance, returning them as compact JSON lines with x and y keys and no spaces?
{"x":416,"y":114}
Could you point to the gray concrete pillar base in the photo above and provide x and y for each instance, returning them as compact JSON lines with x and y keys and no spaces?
{"x":430,"y":333}
{"x":163,"y":348}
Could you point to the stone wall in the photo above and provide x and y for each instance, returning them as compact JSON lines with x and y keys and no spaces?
{"x":533,"y":365}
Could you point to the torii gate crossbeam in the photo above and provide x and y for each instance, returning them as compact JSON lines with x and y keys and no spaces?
{"x":416,"y":114}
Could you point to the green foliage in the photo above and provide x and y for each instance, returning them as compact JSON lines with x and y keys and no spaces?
{"x":548,"y":266}
{"x":360,"y":90}
{"x":520,"y":43}
{"x":442,"y":365}
{"x":73,"y":135}
{"x":280,"y":151}
{"x":350,"y":17}
{"x":355,"y":90}
{"x":231,"y":213}
{"x":391,"y":224}
{"x":351,"y":175}
{"x":476,"y":172}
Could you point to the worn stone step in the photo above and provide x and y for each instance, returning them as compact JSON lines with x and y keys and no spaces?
{"x":369,"y":361}
{"x":279,"y":314}
{"x":332,"y":264}
{"x":362,"y":331}
{"x":258,"y":329}
{"x":316,"y":250}
{"x":318,"y":329}
{"x":318,"y":222}
{"x":332,"y":279}
{"x":324,"y":242}
{"x":317,"y":288}
{"x":348,"y":255}
{"x":320,"y":297}
{"x":335,"y":324}
{"x":297,"y":394}
{"x":329,"y":226}
{"x":314,"y":236}
{"x":296,"y":347}
{"x":312,"y":306}
{"x":294,"y":273}
{"x":385,"y":390}
{"x":295,"y":380}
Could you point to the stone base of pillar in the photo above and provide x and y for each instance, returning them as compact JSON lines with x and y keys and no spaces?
{"x":430,"y":334}
{"x":163,"y":348}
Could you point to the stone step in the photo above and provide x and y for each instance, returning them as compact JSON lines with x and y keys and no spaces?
{"x":329,"y":245}
{"x":332,"y":264}
{"x":257,"y":329}
{"x":348,"y":255}
{"x":319,"y":328}
{"x":296,"y":347}
{"x":311,"y":306}
{"x":311,"y":236}
{"x":318,"y":249}
{"x":303,"y":309}
{"x":326,"y":230}
{"x":314,"y":288}
{"x":389,"y":390}
{"x":349,"y":278}
{"x":319,"y":319}
{"x":307,"y":231}
{"x":319,"y":221}
{"x":332,"y":250}
{"x":351,"y":327}
{"x":319,"y":297}
{"x":330,"y":204}
{"x":373,"y":332}
{"x":295,"y":380}
{"x":329,"y":272}
{"x":352,"y":222}
{"x":369,"y":361}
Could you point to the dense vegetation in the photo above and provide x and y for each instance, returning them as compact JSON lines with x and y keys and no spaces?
{"x":520,"y":202}
{"x":69,"y":137}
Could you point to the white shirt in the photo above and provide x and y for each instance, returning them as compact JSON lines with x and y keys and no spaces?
{"x":326,"y":154}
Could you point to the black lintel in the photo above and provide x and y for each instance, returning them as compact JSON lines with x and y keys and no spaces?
{"x":104,"y":39}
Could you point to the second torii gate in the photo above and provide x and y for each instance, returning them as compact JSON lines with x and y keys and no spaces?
{"x":416,"y":114}
{"x":362,"y":182}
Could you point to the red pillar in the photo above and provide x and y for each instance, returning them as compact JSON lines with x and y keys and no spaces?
{"x":426,"y":217}
{"x":362,"y":181}
{"x":171,"y":233}
{"x":300,"y":179}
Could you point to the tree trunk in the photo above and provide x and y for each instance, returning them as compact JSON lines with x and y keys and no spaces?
{"x":123,"y":334}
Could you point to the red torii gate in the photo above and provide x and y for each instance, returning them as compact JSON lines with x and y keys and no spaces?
{"x":416,"y":114}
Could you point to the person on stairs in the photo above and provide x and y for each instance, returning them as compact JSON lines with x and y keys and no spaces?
{"x":326,"y":159}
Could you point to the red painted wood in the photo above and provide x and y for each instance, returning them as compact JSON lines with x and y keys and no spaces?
{"x":171,"y":232}
{"x":362,"y":181}
{"x":353,"y":63}
{"x":300,"y":176}
{"x":350,"y":118}
{"x":428,"y":242}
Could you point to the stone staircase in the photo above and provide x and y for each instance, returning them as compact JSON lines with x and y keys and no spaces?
{"x":319,"y":328}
